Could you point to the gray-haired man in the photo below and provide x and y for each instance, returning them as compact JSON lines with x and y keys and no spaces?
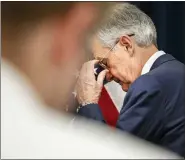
{"x":154,"y":107}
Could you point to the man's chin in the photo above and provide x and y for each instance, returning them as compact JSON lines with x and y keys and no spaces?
{"x":125,"y":87}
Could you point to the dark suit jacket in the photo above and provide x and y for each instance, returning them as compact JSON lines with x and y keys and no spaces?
{"x":154,"y":107}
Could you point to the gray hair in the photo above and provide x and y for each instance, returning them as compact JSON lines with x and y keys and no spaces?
{"x":127,"y":19}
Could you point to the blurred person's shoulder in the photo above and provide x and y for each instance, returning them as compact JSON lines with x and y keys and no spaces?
{"x":31,"y":130}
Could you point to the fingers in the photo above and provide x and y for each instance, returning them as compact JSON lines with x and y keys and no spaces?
{"x":95,"y":61}
{"x":90,"y":64}
{"x":101,"y":77}
{"x":88,"y":69}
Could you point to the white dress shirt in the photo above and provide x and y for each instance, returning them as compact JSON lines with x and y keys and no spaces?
{"x":30,"y":130}
{"x":151,"y":61}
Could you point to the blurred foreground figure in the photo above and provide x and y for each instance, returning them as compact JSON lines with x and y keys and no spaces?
{"x":42,"y":45}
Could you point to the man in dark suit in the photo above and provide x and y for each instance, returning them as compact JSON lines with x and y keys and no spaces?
{"x":154,"y":107}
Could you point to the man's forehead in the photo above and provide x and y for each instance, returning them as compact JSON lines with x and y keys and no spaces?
{"x":98,"y":50}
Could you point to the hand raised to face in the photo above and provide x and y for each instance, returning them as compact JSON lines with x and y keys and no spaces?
{"x":88,"y":88}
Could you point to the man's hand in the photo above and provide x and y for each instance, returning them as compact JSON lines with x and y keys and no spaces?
{"x":88,"y":89}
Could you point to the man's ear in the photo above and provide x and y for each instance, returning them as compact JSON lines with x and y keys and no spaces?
{"x":127,"y":43}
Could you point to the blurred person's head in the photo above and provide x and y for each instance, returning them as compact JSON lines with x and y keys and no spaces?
{"x":126,"y":40}
{"x":45,"y":40}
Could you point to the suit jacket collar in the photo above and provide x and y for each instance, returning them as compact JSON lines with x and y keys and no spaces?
{"x":146,"y":68}
{"x":162,"y":59}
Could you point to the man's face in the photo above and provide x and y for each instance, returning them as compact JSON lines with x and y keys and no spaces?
{"x":121,"y":64}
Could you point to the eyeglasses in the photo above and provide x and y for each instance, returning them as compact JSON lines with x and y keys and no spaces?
{"x":103,"y":61}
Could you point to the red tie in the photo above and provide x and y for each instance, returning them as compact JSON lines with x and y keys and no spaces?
{"x":108,"y":108}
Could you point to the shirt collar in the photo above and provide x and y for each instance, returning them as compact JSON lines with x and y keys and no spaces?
{"x":150,"y":62}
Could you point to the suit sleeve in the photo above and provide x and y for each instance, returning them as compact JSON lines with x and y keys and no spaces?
{"x":143,"y":108}
{"x":91,"y":111}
